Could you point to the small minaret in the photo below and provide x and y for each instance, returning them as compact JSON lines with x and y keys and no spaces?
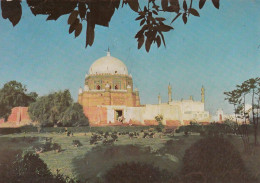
{"x":108,"y":52}
{"x":202,"y":94}
{"x":169,"y":93}
{"x":80,"y":90}
{"x":159,"y":99}
{"x":137,"y":99}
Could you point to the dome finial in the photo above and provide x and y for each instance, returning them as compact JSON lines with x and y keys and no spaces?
{"x":108,"y":52}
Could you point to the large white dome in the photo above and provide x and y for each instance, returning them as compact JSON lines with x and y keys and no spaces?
{"x":108,"y":65}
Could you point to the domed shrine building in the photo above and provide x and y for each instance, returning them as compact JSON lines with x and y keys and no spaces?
{"x":108,"y":98}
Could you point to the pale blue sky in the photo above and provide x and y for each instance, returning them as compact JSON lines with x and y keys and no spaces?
{"x":218,"y":50}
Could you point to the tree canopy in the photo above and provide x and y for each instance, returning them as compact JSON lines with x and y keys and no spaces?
{"x":57,"y":109}
{"x":14,"y":94}
{"x":99,"y":12}
{"x":249,"y":90}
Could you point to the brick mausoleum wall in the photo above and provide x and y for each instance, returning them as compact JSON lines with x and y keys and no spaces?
{"x":96,"y":114}
{"x":173,"y":123}
{"x":150,"y":122}
{"x":19,"y":114}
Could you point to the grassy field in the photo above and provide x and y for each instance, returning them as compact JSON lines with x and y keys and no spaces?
{"x":90,"y":162}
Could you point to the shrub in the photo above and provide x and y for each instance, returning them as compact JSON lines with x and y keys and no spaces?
{"x":160,"y":126}
{"x":15,"y":168}
{"x":135,"y":172}
{"x":76,"y":143}
{"x":95,"y":138}
{"x":177,"y":130}
{"x":213,"y":159}
{"x":108,"y":142}
{"x":56,"y":147}
{"x":114,"y":137}
{"x":48,"y":146}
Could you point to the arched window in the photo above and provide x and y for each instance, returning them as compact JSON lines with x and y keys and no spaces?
{"x":116,"y":87}
{"x":98,"y":87}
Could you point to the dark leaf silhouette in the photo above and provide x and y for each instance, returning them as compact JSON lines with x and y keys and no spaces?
{"x":134,"y":5}
{"x":71,"y":29}
{"x":90,"y":35}
{"x":175,"y":4}
{"x":162,"y":38}
{"x":73,"y":26}
{"x":194,"y":12}
{"x":140,"y":17}
{"x":160,"y":19}
{"x":140,"y":41}
{"x":148,"y":43}
{"x":165,"y":28}
{"x":216,"y":3}
{"x":184,"y":17}
{"x":11,"y":10}
{"x":155,"y":12}
{"x":73,"y":16}
{"x":201,"y":3}
{"x":158,"y":41}
{"x":142,"y":22}
{"x":54,"y":9}
{"x":82,"y":10}
{"x":164,"y":4}
{"x":185,"y":5}
{"x":78,"y":30}
{"x":139,"y":33}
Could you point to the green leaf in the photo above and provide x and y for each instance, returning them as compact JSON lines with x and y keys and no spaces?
{"x":194,"y":12}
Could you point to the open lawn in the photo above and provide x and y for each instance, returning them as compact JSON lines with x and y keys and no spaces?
{"x":90,"y":162}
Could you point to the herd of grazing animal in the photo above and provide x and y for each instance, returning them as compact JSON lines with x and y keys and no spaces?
{"x":107,"y":138}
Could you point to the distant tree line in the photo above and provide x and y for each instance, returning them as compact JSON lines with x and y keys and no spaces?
{"x":56,"y":108}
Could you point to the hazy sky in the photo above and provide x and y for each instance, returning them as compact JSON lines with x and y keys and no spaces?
{"x":219,"y":49}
